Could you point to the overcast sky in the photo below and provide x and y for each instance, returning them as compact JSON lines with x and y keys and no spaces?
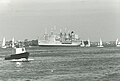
{"x":29,"y":19}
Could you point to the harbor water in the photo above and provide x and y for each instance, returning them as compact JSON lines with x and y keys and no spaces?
{"x":63,"y":64}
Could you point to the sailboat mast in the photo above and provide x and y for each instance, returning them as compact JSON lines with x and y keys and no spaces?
{"x":13,"y":41}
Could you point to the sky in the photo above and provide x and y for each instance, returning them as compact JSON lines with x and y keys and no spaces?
{"x":29,"y":19}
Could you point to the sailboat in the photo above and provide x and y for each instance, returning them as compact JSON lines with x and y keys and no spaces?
{"x":117,"y":43}
{"x":82,"y":44}
{"x":4,"y":43}
{"x":100,"y":43}
{"x":13,"y":43}
{"x":20,"y":55}
{"x":88,"y":45}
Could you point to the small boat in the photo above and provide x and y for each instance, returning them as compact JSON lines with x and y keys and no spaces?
{"x":85,"y":43}
{"x":100,"y":44}
{"x":20,"y":54}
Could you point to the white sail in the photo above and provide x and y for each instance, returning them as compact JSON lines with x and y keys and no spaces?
{"x":88,"y":45}
{"x":4,"y":43}
{"x":100,"y":43}
{"x":13,"y":43}
{"x":117,"y":43}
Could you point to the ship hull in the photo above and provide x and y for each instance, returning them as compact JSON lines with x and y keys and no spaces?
{"x":18,"y":56}
{"x":59,"y":45}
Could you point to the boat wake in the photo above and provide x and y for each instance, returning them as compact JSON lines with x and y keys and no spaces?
{"x":21,"y":60}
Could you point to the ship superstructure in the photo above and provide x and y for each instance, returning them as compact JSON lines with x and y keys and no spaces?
{"x":61,"y":39}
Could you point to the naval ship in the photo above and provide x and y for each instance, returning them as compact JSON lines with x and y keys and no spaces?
{"x":61,"y":39}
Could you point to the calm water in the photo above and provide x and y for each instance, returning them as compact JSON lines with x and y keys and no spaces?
{"x":63,"y":64}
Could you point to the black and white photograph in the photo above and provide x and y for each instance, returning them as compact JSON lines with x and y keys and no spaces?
{"x":59,"y":40}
